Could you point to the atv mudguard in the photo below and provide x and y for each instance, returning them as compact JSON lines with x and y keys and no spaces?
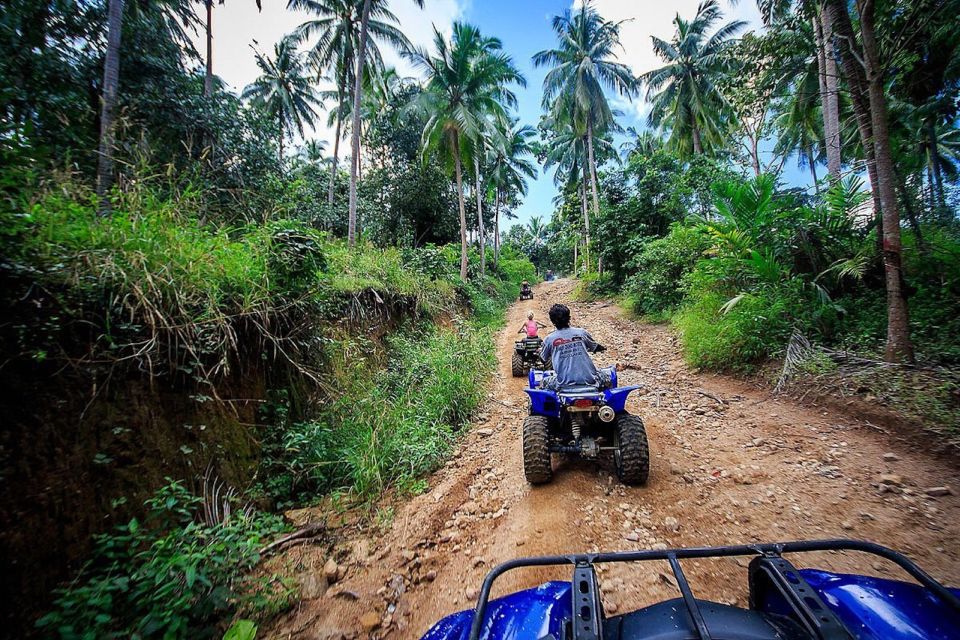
{"x":544,"y":402}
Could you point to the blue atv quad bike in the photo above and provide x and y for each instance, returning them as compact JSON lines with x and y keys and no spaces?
{"x":526,"y":356}
{"x":586,"y":421}
{"x":786,"y":603}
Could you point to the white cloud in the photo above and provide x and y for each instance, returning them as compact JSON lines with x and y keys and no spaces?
{"x":237,"y":25}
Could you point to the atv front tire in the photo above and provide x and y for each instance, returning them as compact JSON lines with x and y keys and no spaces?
{"x":632,"y":457}
{"x":516,"y":365}
{"x":536,"y":451}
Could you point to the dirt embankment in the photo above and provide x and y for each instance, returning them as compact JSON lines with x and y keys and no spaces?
{"x":730,"y":464}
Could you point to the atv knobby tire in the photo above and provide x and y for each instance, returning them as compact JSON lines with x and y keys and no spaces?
{"x":536,"y":451}
{"x":633,"y":458}
{"x":516,"y":365}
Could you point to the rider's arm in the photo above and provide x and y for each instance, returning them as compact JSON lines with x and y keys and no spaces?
{"x":592,"y":345}
{"x":546,"y":350}
{"x":541,"y":325}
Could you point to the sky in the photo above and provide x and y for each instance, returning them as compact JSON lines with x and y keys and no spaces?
{"x":522,"y":25}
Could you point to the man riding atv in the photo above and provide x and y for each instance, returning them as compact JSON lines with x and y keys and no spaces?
{"x":569,"y":349}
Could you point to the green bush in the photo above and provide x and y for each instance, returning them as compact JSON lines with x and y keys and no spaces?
{"x":393,"y":425}
{"x":170,"y":577}
{"x":734,"y":334}
{"x":656,"y":287}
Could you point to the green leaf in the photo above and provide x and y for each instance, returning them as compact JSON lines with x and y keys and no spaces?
{"x":241,"y":630}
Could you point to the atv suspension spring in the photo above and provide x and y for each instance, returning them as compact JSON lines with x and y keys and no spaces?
{"x":576,"y":425}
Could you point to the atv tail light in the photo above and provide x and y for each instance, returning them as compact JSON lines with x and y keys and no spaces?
{"x":583,"y":403}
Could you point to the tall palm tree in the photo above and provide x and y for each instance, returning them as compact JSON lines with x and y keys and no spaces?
{"x":799,"y":122}
{"x":336,"y":27}
{"x":111,"y":80}
{"x":365,"y":16}
{"x":582,"y":66}
{"x":510,"y":167}
{"x":175,"y":17}
{"x":284,"y":91}
{"x":683,"y":94}
{"x":568,"y":150}
{"x":466,"y":84}
{"x":641,"y":143}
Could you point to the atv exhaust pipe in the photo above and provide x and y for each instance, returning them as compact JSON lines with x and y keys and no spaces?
{"x":607,"y":414}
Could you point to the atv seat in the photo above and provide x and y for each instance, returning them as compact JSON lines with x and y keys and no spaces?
{"x":579,"y":390}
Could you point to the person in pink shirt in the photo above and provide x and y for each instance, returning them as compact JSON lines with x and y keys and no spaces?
{"x":531,"y":326}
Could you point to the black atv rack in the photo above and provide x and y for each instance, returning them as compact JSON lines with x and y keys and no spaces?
{"x":768,"y":564}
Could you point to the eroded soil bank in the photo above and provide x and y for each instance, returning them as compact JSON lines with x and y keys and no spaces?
{"x":730,"y":464}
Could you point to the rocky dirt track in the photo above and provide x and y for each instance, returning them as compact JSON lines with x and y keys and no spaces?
{"x":730,"y":463}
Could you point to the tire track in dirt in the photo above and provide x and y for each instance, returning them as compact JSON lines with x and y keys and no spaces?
{"x":729,"y":464}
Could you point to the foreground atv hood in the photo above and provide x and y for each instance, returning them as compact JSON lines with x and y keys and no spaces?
{"x":870,"y":608}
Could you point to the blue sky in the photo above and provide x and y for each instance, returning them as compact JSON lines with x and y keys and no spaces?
{"x":522,"y":25}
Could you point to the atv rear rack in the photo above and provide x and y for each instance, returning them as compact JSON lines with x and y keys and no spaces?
{"x":767,"y":560}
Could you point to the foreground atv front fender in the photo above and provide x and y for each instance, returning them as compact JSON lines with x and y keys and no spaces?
{"x":617,"y":398}
{"x":526,"y":615}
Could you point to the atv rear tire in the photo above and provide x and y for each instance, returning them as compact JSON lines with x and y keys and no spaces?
{"x":516,"y":365}
{"x":536,"y":450}
{"x":633,"y":456}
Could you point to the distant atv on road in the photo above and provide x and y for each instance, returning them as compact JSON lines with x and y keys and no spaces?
{"x":585,"y":421}
{"x":526,"y":292}
{"x":526,"y":356}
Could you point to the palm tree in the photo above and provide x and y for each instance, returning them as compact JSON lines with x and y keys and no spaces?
{"x":336,"y":25}
{"x":111,"y":79}
{"x":365,"y":15}
{"x":683,"y":94}
{"x":509,"y":163}
{"x":466,"y":83}
{"x":641,"y":143}
{"x":313,"y":151}
{"x":582,"y":67}
{"x":799,"y":121}
{"x":283,"y":90}
{"x":567,"y":149}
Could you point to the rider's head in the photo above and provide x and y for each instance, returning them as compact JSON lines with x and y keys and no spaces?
{"x":560,"y":316}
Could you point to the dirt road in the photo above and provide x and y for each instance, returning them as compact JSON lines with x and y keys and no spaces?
{"x":730,"y":463}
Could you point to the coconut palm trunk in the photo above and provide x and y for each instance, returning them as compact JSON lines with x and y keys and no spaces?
{"x":853,"y":72}
{"x":208,"y":78}
{"x":830,"y":98}
{"x":593,"y":169}
{"x":355,"y":130}
{"x":463,"y":210}
{"x":496,"y":229}
{"x":481,"y":231}
{"x":697,"y":143}
{"x":813,"y":168}
{"x":586,"y":221}
{"x":111,"y":81}
{"x":336,"y":141}
{"x":899,"y":347}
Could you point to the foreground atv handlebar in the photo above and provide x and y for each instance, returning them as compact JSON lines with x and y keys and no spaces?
{"x":673,"y":556}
